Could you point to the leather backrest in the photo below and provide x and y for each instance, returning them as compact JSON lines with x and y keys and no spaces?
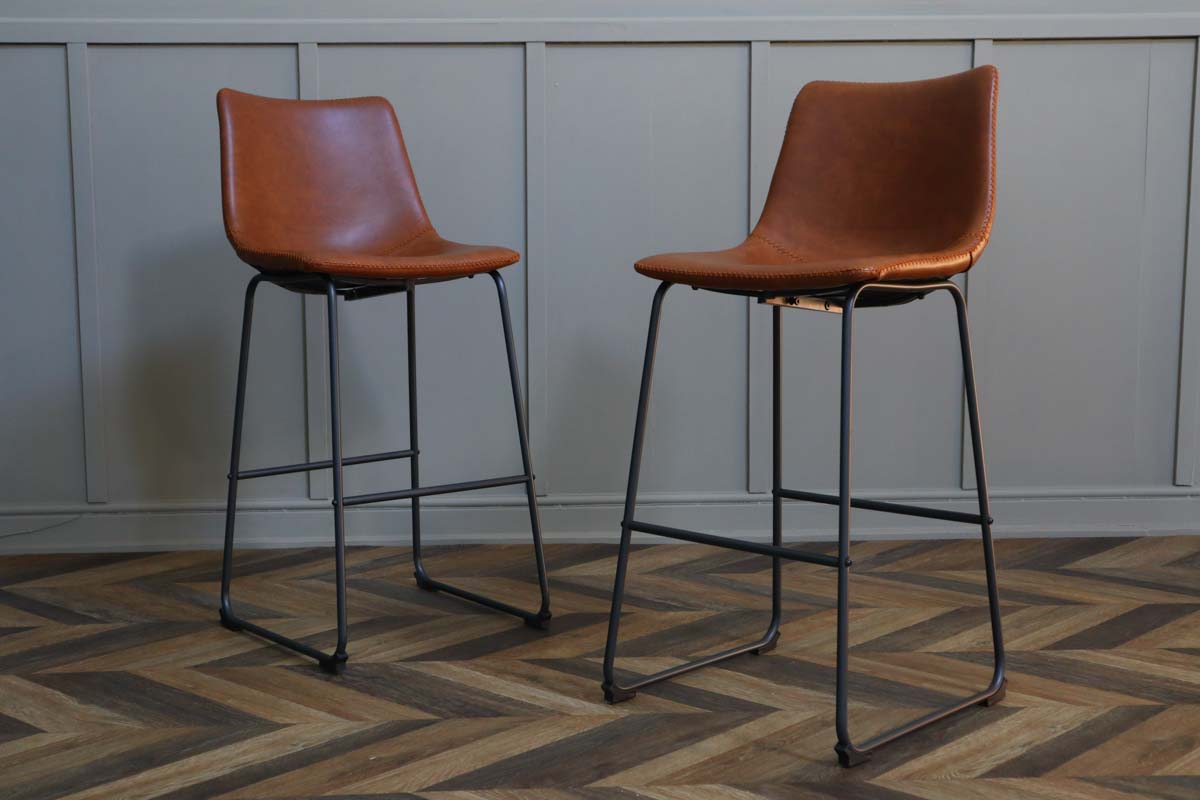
{"x":315,"y":176}
{"x":887,"y":167}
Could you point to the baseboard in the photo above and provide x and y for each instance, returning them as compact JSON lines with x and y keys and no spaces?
{"x":497,"y":520}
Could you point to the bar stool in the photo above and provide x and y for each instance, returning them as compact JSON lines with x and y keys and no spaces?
{"x":319,"y":196}
{"x":881,"y":193}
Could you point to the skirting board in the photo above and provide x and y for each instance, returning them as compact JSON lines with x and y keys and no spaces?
{"x":262,"y":525}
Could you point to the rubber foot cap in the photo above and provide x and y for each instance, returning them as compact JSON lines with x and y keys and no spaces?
{"x":541,"y":621}
{"x":334,"y":664}
{"x":850,"y":757}
{"x":615,"y":694}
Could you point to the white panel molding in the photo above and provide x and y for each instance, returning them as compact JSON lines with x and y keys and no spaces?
{"x":537,"y":290}
{"x":758,"y":341}
{"x":616,"y":500}
{"x":613,"y":499}
{"x":87,"y":273}
{"x":1189,"y":356}
{"x":982,"y":53}
{"x":585,"y":519}
{"x":312,"y":307}
{"x":797,"y":28}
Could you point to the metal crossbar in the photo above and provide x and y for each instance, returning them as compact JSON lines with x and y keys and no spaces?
{"x":309,"y":466}
{"x":734,"y":544}
{"x":426,"y":491}
{"x":880,"y":505}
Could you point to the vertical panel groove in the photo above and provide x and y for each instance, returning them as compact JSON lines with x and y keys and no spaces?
{"x":87,"y":273}
{"x":1189,"y":349}
{"x":537,"y":392}
{"x":316,"y":362}
{"x":758,"y":401}
{"x":981,"y":54}
{"x":1144,"y":234}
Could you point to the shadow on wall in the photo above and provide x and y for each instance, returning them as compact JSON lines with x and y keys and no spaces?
{"x":37,"y":404}
{"x":596,"y":374}
{"x":173,"y":387}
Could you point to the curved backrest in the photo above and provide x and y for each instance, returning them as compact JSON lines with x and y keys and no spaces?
{"x":301,"y":176}
{"x":869,"y":168}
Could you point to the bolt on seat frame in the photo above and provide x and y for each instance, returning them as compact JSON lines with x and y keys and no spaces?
{"x":354,"y":289}
{"x":843,"y":301}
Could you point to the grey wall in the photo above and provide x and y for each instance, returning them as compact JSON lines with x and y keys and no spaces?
{"x":586,"y":134}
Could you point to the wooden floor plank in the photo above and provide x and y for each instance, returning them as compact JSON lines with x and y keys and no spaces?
{"x":117,"y":681}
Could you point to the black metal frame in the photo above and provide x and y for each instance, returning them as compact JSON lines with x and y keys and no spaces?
{"x":332,"y":288}
{"x":843,"y":300}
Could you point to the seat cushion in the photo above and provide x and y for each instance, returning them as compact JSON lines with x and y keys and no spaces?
{"x":425,"y":255}
{"x":760,"y":264}
{"x":875,"y":181}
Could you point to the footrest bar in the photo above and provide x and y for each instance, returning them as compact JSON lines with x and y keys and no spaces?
{"x":880,"y":505}
{"x":735,"y":544}
{"x":333,"y":663}
{"x":697,"y":664}
{"x":532,"y":618}
{"x":309,"y":466}
{"x":425,"y":491}
{"x":280,"y":639}
{"x":930,"y":718}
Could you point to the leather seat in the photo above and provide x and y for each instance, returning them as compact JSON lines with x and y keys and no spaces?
{"x":325,"y":186}
{"x":875,"y":181}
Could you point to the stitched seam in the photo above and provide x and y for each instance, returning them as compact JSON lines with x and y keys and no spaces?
{"x":426,"y":268}
{"x":980,"y":235}
{"x":279,"y":253}
{"x":298,"y":254}
{"x":427,"y":229}
{"x":916,"y":262}
{"x":883,"y":268}
{"x":484,"y":262}
{"x":768,"y":275}
{"x":887,"y":83}
{"x":284,"y":253}
{"x":990,"y":209}
{"x":776,"y":245}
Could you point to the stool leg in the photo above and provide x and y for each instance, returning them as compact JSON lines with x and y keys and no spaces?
{"x":228,"y":618}
{"x":336,"y":663}
{"x":612,"y":692}
{"x":414,"y":462}
{"x":541,"y":617}
{"x":849,"y":754}
{"x":999,"y":683}
{"x":772,"y":635}
{"x":535,"y":523}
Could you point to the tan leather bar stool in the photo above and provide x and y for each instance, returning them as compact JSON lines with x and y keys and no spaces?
{"x":319,"y":196}
{"x":882,"y":192}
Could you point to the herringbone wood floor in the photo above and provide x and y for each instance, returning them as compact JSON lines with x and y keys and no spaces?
{"x":117,"y":682}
